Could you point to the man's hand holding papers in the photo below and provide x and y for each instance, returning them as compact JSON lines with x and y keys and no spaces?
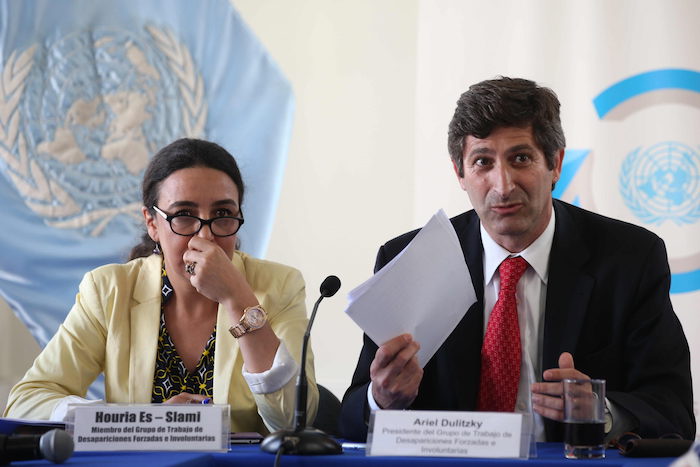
{"x":410,"y":307}
{"x":395,"y":373}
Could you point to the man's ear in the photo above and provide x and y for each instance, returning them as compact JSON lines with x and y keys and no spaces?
{"x":460,"y":178}
{"x":558,"y":161}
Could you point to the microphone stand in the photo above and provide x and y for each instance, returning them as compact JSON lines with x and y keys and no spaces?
{"x":302,"y":440}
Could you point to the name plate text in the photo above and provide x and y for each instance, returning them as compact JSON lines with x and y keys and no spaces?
{"x":150,"y":427}
{"x":445,"y":434}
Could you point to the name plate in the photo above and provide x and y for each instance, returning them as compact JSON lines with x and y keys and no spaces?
{"x":149,"y":427}
{"x":446,"y":434}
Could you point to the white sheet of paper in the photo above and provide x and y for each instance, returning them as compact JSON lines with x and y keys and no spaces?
{"x":425,"y":291}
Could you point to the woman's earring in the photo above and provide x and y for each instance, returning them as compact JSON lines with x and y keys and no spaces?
{"x":156,"y":249}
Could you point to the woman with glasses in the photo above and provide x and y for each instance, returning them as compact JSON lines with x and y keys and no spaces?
{"x":189,"y":319}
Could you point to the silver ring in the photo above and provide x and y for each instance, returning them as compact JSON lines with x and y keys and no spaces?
{"x":189,"y":268}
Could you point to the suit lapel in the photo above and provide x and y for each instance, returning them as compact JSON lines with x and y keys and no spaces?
{"x":469,"y":234}
{"x":145,"y":322}
{"x":466,"y":360}
{"x":568,"y":289}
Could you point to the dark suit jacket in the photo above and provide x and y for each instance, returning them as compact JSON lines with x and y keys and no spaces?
{"x":607,"y":303}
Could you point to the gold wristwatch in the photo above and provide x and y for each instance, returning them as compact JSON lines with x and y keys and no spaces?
{"x":254,"y":317}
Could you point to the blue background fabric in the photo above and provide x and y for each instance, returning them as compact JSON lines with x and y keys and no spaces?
{"x":89,"y":90}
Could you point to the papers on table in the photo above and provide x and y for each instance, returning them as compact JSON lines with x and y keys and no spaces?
{"x":425,"y":291}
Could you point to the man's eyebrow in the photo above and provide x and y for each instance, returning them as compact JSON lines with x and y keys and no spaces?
{"x":480,"y":151}
{"x":487,"y":150}
{"x":521,"y":147}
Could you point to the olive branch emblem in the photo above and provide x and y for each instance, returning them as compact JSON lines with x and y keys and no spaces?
{"x":628,"y":190}
{"x":41,"y":192}
{"x":181,"y":64}
{"x":43,"y":196}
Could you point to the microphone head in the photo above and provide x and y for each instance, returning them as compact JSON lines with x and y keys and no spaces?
{"x":330,"y":286}
{"x":56,"y":445}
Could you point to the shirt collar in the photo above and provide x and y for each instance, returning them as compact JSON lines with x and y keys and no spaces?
{"x":537,"y":254}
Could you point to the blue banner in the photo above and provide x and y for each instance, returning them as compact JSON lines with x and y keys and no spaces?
{"x":89,"y":90}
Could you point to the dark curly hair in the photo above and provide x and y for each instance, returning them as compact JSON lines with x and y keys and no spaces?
{"x":506,"y":102}
{"x":182,"y":154}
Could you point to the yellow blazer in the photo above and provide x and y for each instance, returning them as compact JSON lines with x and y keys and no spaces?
{"x":113,"y":328}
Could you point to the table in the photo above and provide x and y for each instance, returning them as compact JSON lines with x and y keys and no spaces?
{"x":549,"y":455}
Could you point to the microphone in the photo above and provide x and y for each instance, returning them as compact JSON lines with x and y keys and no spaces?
{"x":55,"y":446}
{"x":302,"y":440}
{"x":329,"y":287}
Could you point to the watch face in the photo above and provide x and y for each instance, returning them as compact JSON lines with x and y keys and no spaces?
{"x":255,"y":318}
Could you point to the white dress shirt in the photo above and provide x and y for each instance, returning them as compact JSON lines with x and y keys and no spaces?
{"x":531,"y":295}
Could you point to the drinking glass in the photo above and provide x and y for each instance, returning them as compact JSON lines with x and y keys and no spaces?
{"x":584,"y":418}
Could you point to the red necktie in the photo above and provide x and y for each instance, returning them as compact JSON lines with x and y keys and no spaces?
{"x":500,"y":353}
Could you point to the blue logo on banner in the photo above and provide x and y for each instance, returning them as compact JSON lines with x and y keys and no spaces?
{"x":81,"y":141}
{"x":573,"y":160}
{"x":658,"y":183}
{"x":662,"y":183}
{"x":642,"y":83}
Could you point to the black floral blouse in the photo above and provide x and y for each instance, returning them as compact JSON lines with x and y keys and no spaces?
{"x":171,"y":376}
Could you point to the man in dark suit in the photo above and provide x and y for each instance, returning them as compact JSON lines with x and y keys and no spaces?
{"x":593,"y":300}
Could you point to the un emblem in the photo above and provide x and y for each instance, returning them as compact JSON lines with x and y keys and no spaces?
{"x":662,"y":183}
{"x":80,"y":116}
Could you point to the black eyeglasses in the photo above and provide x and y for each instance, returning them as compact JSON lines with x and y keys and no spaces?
{"x":186,"y":225}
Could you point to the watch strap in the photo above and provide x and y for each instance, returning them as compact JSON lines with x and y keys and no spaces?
{"x":243,"y":327}
{"x":238,"y":329}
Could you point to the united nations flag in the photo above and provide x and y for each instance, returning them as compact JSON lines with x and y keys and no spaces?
{"x":89,"y":90}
